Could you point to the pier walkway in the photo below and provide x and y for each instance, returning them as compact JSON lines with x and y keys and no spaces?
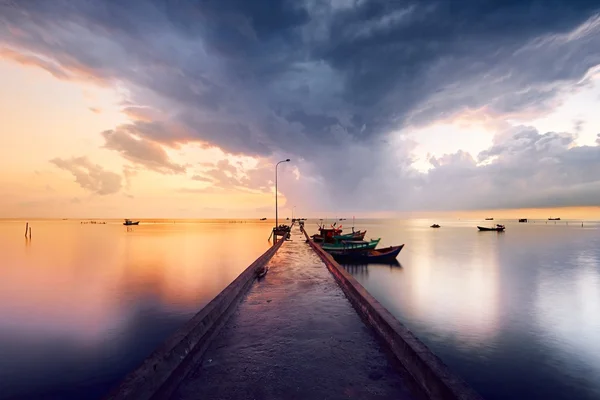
{"x":294,"y":336}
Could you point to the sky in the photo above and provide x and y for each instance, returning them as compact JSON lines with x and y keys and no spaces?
{"x":181,"y":108}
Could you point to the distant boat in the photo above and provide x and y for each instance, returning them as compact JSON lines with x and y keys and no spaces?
{"x":489,"y":219}
{"x":263,"y":219}
{"x":434,"y":226}
{"x":498,"y":228}
{"x":130,"y":222}
{"x":367,"y":256}
{"x":522,"y":219}
{"x":553,"y":219}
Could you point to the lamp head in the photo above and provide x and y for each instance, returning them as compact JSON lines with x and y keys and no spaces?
{"x":287,"y":160}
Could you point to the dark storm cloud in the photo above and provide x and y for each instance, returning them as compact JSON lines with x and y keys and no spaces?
{"x":325,"y":80}
{"x":388,"y":58}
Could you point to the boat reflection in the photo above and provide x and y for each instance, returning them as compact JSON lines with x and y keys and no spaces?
{"x":363,"y":269}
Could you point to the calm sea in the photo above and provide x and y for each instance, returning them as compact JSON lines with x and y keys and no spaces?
{"x":81,"y":304}
{"x":516,"y":314}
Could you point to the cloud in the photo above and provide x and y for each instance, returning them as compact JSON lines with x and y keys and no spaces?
{"x":140,"y":151}
{"x":330,"y":86}
{"x":95,"y":110}
{"x":128,"y":174}
{"x":90,"y":176}
{"x":524,"y":168}
{"x":202,"y":178}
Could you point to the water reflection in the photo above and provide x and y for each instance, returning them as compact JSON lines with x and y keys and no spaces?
{"x":516,"y":314}
{"x":88,"y":302}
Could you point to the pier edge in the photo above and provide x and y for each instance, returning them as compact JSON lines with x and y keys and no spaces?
{"x":429,"y":372}
{"x":162,"y":371}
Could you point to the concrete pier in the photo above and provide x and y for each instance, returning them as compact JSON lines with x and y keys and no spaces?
{"x":295,"y":336}
{"x":306,"y":330}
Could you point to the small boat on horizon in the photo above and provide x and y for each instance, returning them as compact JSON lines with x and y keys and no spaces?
{"x":434,"y":226}
{"x":263,"y":219}
{"x":498,"y":228}
{"x":522,"y":219}
{"x":554,"y":219}
{"x":129,"y":222}
{"x":489,"y":219}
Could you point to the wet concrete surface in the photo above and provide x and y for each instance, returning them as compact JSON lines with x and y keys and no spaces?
{"x":295,"y":336}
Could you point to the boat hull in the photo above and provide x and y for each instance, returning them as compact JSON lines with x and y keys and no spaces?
{"x":351,"y":236}
{"x":351,"y":246}
{"x":387,"y":254}
{"x":484,"y":229}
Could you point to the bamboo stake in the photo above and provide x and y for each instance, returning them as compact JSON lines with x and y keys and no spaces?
{"x":26,"y":228}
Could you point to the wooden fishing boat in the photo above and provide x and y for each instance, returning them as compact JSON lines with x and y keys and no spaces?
{"x":434,"y":226}
{"x":351,"y":236}
{"x":498,"y":228}
{"x":386,"y":254}
{"x":327,"y":234}
{"x":553,"y":219}
{"x":281,"y":230}
{"x":129,"y":222}
{"x":489,"y":219}
{"x":351,"y":245}
{"x":522,"y":219}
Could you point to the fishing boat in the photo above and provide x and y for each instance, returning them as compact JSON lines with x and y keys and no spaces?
{"x":434,"y":226}
{"x":351,"y":245}
{"x":386,"y":254}
{"x":129,"y":222}
{"x":327,"y":234}
{"x":359,"y":235}
{"x":281,"y":230}
{"x":553,"y":219}
{"x":263,"y":219}
{"x":522,"y":219}
{"x":498,"y":228}
{"x":489,"y":219}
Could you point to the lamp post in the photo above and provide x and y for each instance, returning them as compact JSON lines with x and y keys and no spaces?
{"x":276,"y":211}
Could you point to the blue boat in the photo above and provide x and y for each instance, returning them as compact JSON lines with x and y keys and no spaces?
{"x":386,"y":254}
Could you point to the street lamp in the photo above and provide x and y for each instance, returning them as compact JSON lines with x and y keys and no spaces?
{"x":276,"y":212}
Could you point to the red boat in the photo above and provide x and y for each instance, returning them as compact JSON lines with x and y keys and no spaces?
{"x":326,"y":234}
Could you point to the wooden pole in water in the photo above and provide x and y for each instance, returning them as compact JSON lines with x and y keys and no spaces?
{"x":26,"y":228}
